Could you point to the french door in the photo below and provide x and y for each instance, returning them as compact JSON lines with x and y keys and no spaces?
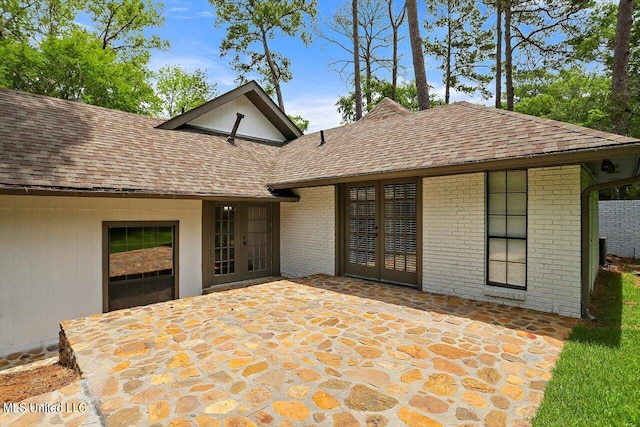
{"x":239,"y":242}
{"x":381,"y":230}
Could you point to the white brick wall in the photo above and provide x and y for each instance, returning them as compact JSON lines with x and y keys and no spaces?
{"x":307,"y":233}
{"x":454,"y":240}
{"x":553,"y":270}
{"x":620,"y":224}
{"x":453,"y":235}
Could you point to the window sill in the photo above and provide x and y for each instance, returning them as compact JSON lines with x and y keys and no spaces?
{"x":505,"y":293}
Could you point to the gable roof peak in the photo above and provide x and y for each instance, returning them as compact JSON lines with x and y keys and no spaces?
{"x":256,"y":95}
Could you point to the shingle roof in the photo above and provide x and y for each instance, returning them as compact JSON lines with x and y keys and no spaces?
{"x":55,"y":144}
{"x":391,"y":139}
{"x":52,"y":144}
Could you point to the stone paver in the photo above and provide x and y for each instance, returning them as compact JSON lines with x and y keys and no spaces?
{"x":32,"y":358}
{"x":315,"y":351}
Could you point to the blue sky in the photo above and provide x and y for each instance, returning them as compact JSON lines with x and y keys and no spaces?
{"x":314,"y":90}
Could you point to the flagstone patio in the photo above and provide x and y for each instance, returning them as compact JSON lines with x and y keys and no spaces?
{"x":313,"y":351}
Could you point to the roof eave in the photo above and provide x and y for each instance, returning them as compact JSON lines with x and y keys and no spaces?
{"x":534,"y":161}
{"x":29,"y":190}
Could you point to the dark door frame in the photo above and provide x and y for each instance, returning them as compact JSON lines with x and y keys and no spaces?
{"x":342,"y":229}
{"x":208,"y":227}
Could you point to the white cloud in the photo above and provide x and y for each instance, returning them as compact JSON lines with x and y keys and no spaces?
{"x":319,"y":110}
{"x":217,"y":69}
{"x":178,"y":9}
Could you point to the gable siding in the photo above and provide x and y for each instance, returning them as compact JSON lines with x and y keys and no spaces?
{"x":454,"y":242}
{"x":307,"y":237}
{"x":51,"y":259}
{"x":254,"y":123}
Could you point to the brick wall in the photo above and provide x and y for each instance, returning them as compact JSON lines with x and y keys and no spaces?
{"x":308,"y":227}
{"x":453,"y":236}
{"x":553,"y":244}
{"x":454,"y":259}
{"x":620,"y":224}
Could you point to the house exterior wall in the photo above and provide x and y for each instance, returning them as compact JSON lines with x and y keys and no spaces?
{"x":307,"y":236}
{"x":620,"y":225}
{"x":51,"y":258}
{"x":587,"y":179}
{"x":454,"y":240}
{"x":254,"y":123}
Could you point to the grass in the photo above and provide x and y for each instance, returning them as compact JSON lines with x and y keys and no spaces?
{"x":596,"y":382}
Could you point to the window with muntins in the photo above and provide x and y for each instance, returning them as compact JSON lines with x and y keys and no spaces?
{"x":507,"y":228}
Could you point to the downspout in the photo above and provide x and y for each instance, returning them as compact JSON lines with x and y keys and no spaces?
{"x":585,"y":220}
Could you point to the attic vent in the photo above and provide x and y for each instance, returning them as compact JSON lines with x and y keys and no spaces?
{"x":232,"y":137}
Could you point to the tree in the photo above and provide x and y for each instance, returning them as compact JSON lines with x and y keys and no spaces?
{"x":180,"y":90}
{"x":373,"y":38}
{"x":535,"y":35}
{"x":356,"y":60}
{"x":33,"y":20}
{"x":498,"y":55}
{"x":406,"y":95}
{"x":418,"y":56}
{"x":121,"y":25}
{"x":595,"y":45}
{"x":76,"y":67}
{"x":300,"y":122}
{"x":571,"y":95}
{"x":464,"y":46}
{"x":621,"y":51}
{"x":252,"y":24}
{"x":395,"y":21}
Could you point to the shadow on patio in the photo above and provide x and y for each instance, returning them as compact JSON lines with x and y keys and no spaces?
{"x":550,"y":325}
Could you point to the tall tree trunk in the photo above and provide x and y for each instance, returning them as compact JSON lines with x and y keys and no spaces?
{"x":447,"y":86}
{"x":508,"y":60}
{"x":499,"y":54}
{"x":395,"y":24}
{"x":356,"y":60}
{"x":620,"y":83}
{"x":274,"y":72}
{"x":368,"y":76}
{"x":418,"y":56}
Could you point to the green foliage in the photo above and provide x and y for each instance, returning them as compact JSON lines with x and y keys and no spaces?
{"x":121,"y":25}
{"x":76,"y":67}
{"x":300,"y":122}
{"x":251,"y":25}
{"x":595,"y":382}
{"x":178,"y":89}
{"x":32,"y":20}
{"x":406,"y":95}
{"x":571,"y":95}
{"x":43,"y":51}
{"x":463,"y":47}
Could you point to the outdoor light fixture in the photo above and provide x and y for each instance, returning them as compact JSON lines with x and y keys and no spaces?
{"x":608,"y":166}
